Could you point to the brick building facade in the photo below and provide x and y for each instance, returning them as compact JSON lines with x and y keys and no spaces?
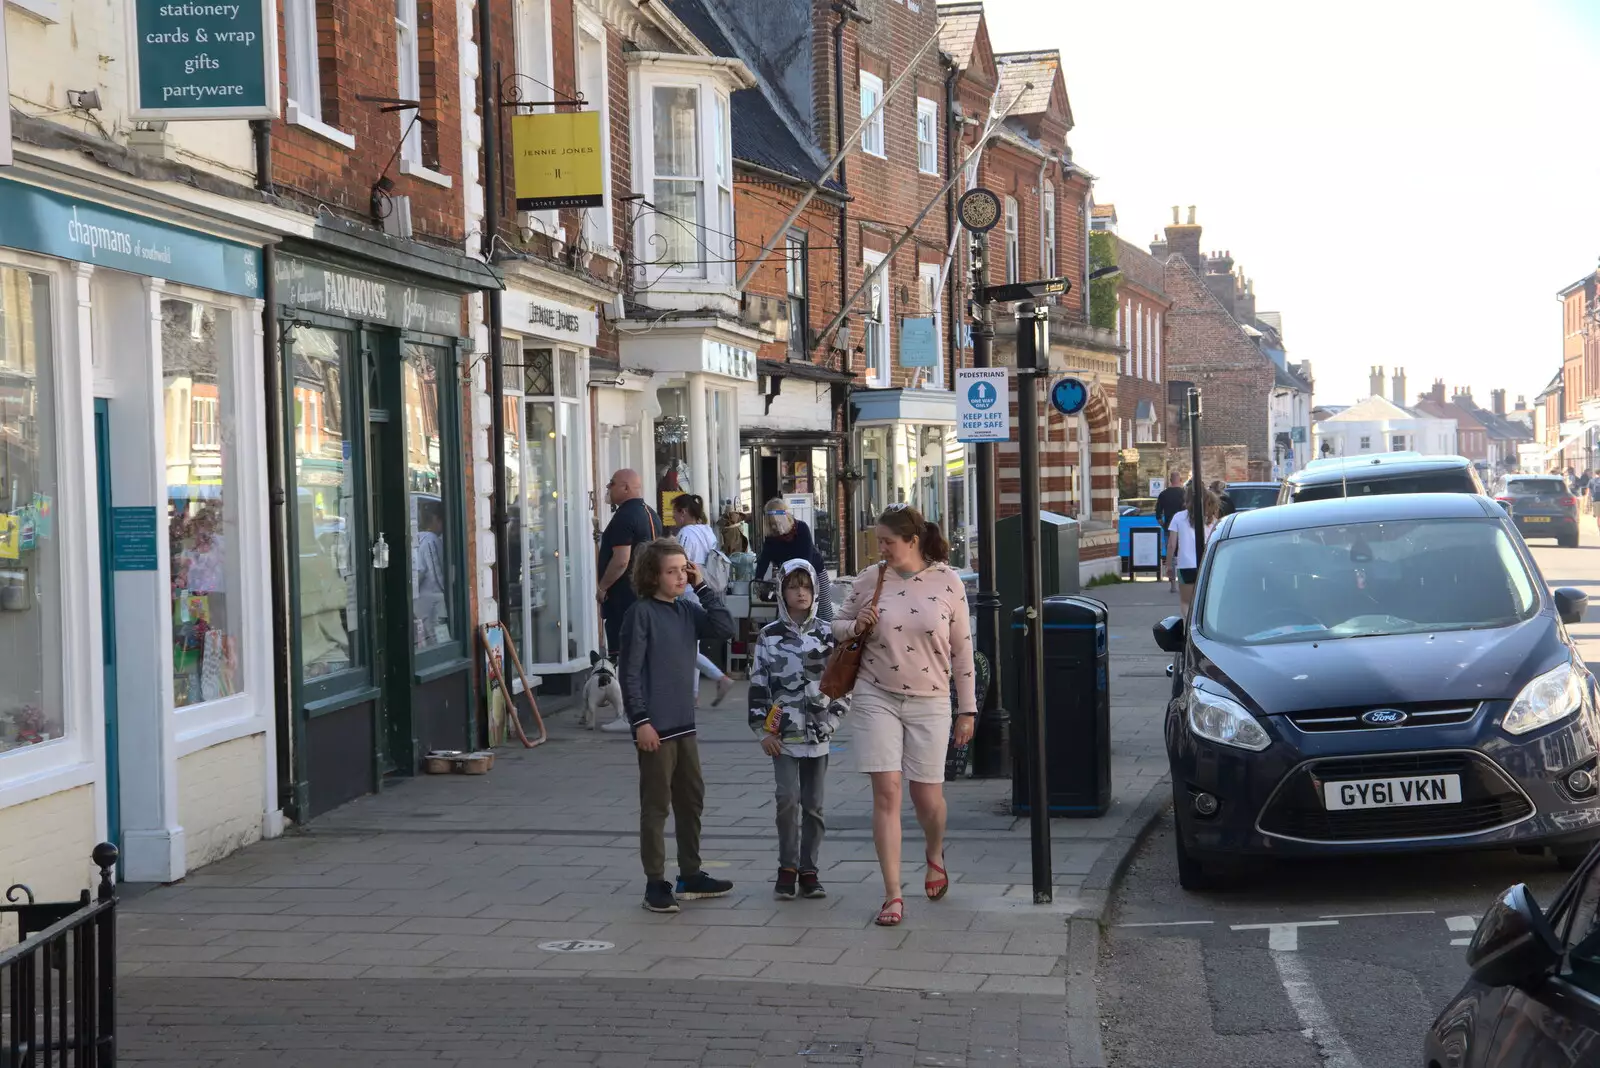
{"x":1143,"y":412}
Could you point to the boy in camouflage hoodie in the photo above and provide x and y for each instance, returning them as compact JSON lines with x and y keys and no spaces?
{"x":794,"y":721}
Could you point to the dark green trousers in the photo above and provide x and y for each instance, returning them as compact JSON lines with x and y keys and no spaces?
{"x":670,"y":778}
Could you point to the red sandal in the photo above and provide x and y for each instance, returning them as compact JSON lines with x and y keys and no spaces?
{"x":889,"y":916}
{"x":936,"y":888}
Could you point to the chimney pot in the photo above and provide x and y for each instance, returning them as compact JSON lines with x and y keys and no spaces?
{"x":1191,"y":214}
{"x":1174,"y":215}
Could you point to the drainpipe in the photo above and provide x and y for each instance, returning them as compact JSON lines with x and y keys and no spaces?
{"x":952,"y":323}
{"x":286,"y":744}
{"x":844,"y":14}
{"x":489,"y":108}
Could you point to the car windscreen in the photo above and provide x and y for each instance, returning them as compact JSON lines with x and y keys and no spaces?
{"x":1245,"y":498}
{"x":1536,"y":487}
{"x":1365,"y":579}
{"x":1450,"y":480}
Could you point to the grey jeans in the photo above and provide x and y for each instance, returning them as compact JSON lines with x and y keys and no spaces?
{"x":800,"y":822}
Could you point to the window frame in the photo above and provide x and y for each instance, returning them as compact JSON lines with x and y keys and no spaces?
{"x":712,"y":101}
{"x":408,"y":79}
{"x":1047,"y":220}
{"x":878,"y":377}
{"x":927,"y":122}
{"x":872,"y":133}
{"x":600,"y":221}
{"x":926,"y":273}
{"x":1013,"y":235}
{"x":534,"y":58}
{"x":796,"y":262}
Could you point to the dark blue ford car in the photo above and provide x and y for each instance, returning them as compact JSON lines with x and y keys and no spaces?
{"x":1377,"y":674}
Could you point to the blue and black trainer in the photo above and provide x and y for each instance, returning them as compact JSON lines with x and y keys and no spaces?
{"x":700,"y":885}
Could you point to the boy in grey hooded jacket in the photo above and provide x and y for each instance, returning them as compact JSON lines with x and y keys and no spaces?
{"x":794,"y":721}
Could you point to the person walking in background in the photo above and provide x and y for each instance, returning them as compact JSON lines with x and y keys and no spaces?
{"x":1168,"y":504}
{"x":633,"y":524}
{"x":918,"y":647}
{"x":1183,"y":561}
{"x":1592,"y":488}
{"x":793,"y":721}
{"x":788,"y":538}
{"x":660,"y":635}
{"x":699,"y":541}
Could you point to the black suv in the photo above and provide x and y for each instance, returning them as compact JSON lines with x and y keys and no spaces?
{"x":1392,"y":472}
{"x":1541,"y":506}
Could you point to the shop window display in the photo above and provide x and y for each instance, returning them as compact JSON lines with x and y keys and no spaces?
{"x":202,"y":512}
{"x":31,"y":709}
{"x":432,"y":576}
{"x":551,"y":511}
{"x":328,"y":521}
{"x":672,"y":449}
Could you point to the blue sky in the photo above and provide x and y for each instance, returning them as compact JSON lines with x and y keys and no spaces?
{"x":1409,"y":182}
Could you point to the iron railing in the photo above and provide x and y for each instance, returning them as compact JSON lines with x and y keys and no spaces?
{"x":58,"y":983}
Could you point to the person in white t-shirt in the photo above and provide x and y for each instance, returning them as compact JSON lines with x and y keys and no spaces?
{"x":1182,"y":558}
{"x":694,"y":533}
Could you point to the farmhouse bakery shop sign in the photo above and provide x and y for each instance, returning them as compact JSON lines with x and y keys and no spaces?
{"x":199,"y":59}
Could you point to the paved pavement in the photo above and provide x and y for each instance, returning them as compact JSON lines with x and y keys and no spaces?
{"x":1232,"y":980}
{"x":524,"y":886}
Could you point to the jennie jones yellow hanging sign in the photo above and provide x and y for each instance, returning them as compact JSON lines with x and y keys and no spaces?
{"x":558,"y":160}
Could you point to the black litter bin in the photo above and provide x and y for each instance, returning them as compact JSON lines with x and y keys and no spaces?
{"x":1077,"y":686}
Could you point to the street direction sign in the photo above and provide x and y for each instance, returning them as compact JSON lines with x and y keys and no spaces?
{"x":1069,"y":396}
{"x":983,"y":409}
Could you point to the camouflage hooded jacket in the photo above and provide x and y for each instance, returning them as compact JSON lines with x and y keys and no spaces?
{"x":786,"y":676}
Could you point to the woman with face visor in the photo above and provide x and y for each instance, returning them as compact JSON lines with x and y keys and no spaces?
{"x":788,"y":538}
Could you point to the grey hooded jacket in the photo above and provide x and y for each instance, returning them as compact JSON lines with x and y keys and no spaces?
{"x":786,"y":676}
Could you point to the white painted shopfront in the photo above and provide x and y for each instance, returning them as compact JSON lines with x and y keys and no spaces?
{"x":551,"y":475}
{"x":136,"y":683}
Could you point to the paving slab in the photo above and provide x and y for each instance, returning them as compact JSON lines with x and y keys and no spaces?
{"x":437,"y":879}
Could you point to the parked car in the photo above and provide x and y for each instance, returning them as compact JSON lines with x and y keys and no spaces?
{"x":1136,"y":506}
{"x":1533,"y":997}
{"x":1541,"y":506}
{"x":1392,"y":472}
{"x":1248,"y":496}
{"x":1376,"y":675}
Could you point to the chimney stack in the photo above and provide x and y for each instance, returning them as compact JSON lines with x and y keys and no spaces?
{"x":1184,"y":239}
{"x":1497,"y":400}
{"x":1436,"y":394}
{"x":1522,"y":403}
{"x":1375,"y":382}
{"x":1399,"y":381}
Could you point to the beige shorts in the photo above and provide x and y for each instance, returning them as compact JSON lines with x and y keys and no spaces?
{"x":896,"y":733}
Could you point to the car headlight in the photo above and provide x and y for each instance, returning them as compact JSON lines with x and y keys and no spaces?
{"x":1219,"y":719}
{"x":1555,"y":695}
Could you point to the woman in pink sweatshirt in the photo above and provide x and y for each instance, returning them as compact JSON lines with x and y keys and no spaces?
{"x":919,"y":645}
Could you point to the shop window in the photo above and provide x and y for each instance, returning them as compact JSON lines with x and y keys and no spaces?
{"x":32,"y":709}
{"x":327,"y":515}
{"x":553,"y":517}
{"x":872,"y":132}
{"x":433,"y":571}
{"x":795,"y":282}
{"x":202,"y":510}
{"x":872,"y":493}
{"x":678,"y":179}
{"x":955,"y":525}
{"x":511,"y":417}
{"x":927,"y":136}
{"x":672,"y":449}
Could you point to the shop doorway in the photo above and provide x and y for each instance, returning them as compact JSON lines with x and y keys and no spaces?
{"x":108,"y":621}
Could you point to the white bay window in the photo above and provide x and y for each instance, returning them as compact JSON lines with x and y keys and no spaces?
{"x":683,"y":162}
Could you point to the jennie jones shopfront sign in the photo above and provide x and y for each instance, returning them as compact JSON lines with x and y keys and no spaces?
{"x":203,"y":59}
{"x":42,"y":220}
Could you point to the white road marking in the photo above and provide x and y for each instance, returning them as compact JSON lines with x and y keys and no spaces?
{"x":1284,"y":937}
{"x":1461,"y":923}
{"x":1170,"y":923}
{"x":1312,"y":1013}
{"x":1366,"y":915}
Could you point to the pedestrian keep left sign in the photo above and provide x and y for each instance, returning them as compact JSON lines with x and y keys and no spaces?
{"x":983,"y":404}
